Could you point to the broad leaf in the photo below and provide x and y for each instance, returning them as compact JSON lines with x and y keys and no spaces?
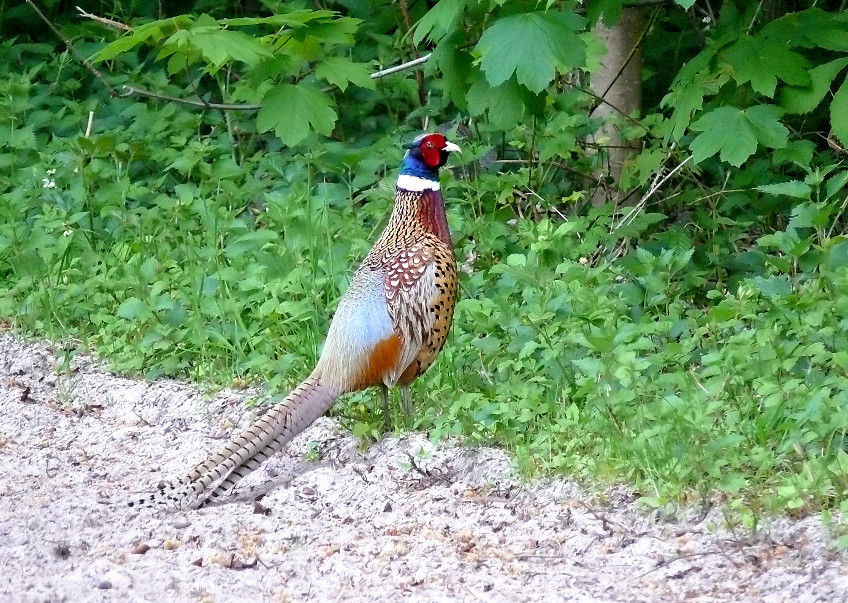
{"x":810,"y":28}
{"x":763,"y":62}
{"x":533,"y":46}
{"x":503,"y":104}
{"x":292,"y":110}
{"x":694,"y":81}
{"x":839,"y":114}
{"x":218,"y":46}
{"x":294,"y":18}
{"x":765,"y":120}
{"x":132,"y":308}
{"x":803,"y":99}
{"x":438,"y":21}
{"x":836,"y":183}
{"x":339,"y":71}
{"x":792,"y":188}
{"x":734,"y":133}
{"x":455,"y":66}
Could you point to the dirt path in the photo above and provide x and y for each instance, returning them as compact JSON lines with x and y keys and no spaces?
{"x":368,"y":526}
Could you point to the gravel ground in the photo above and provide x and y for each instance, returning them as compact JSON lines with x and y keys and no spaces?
{"x":401,"y":520}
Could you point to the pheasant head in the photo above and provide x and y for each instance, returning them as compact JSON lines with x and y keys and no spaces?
{"x":425,"y":156}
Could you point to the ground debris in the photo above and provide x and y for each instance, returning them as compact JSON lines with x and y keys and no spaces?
{"x":404,"y":520}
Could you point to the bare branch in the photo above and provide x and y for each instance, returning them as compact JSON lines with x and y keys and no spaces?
{"x":659,"y":180}
{"x":103,"y":20}
{"x":401,"y":67}
{"x":132,"y":90}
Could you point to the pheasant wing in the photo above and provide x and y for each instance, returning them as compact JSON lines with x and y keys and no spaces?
{"x":410,"y":289}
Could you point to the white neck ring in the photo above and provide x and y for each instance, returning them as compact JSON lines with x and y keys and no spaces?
{"x":416,"y":185}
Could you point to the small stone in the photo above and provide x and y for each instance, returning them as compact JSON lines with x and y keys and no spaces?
{"x":170,"y":544}
{"x":140,"y":549}
{"x":181,"y":523}
{"x":104,"y":585}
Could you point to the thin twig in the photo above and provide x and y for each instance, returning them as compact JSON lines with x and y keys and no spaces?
{"x":73,"y":49}
{"x":600,"y":99}
{"x":654,"y":188}
{"x":132,"y":90}
{"x":103,"y":20}
{"x":401,"y":67}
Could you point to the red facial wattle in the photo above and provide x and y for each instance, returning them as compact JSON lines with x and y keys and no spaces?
{"x":431,"y":149}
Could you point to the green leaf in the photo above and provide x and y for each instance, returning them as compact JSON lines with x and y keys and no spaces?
{"x":503,"y":104}
{"x":294,"y":18}
{"x":808,"y":215}
{"x":836,"y":183}
{"x":339,"y":71}
{"x":837,"y":255}
{"x":799,"y":152}
{"x":723,"y":130}
{"x":455,"y":66}
{"x":291,"y":110}
{"x":533,"y":46}
{"x":803,"y":99}
{"x":839,"y":114}
{"x":686,"y":4}
{"x":765,"y":120}
{"x":792,"y":188}
{"x":250,"y":242}
{"x":763,"y":62}
{"x":772,"y":286}
{"x":810,"y":28}
{"x":132,"y":308}
{"x":734,"y":133}
{"x":220,"y":46}
{"x":694,"y":81}
{"x":438,"y":21}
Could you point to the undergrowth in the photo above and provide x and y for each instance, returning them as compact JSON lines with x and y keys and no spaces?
{"x":705,"y":362}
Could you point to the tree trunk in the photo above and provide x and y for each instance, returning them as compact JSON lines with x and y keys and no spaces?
{"x":619,"y":83}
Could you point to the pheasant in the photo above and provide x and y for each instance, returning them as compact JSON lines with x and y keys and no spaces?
{"x":387,"y":330}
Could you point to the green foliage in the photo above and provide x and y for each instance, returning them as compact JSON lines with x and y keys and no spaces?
{"x":691,"y":347}
{"x":533,"y":46}
{"x":738,"y":69}
{"x":298,"y":39}
{"x":735,"y":133}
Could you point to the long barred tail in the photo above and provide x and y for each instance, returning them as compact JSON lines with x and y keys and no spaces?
{"x":240,"y":456}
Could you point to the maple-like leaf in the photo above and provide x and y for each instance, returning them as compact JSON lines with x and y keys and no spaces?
{"x":735,"y":133}
{"x":533,"y":46}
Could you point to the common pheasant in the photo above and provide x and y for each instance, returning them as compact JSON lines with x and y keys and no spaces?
{"x":387,"y":330}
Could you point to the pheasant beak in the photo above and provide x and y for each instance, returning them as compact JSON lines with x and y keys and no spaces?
{"x":451,"y":147}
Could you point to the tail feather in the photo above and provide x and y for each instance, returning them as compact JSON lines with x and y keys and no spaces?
{"x":269,"y":434}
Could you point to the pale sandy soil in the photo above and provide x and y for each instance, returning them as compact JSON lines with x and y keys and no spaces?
{"x":356,"y":525}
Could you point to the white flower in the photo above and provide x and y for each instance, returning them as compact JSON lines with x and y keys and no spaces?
{"x":47,"y":183}
{"x":68,"y":232}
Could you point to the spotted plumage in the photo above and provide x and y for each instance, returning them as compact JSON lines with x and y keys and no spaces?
{"x":388,"y":329}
